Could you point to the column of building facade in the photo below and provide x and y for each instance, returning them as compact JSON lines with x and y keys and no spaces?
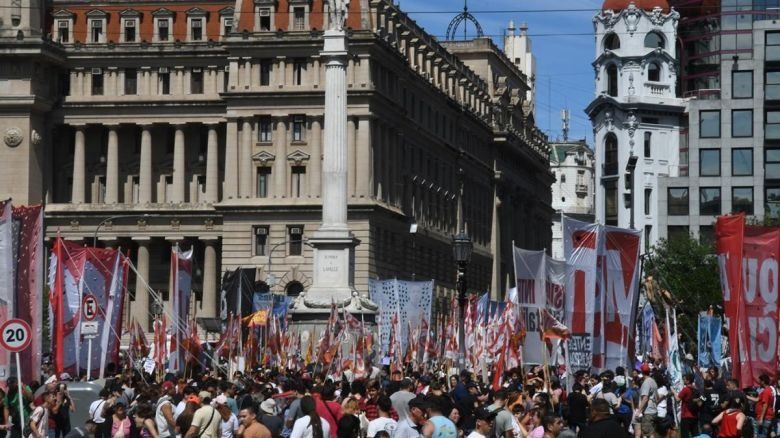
{"x":315,"y":182}
{"x":145,"y":183}
{"x":209,"y":303}
{"x":280,"y":73}
{"x":141,"y":305}
{"x":351,"y":156}
{"x":112,"y":165}
{"x":363,"y":161}
{"x":231,"y":158}
{"x":245,"y":163}
{"x":212,"y":164}
{"x":78,"y":189}
{"x":280,"y":162}
{"x":316,"y":71}
{"x":378,"y":149}
{"x":179,"y":164}
{"x":233,"y":73}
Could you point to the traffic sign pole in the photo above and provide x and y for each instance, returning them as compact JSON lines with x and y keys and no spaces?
{"x":15,"y":336}
{"x":89,"y":358}
{"x":20,"y":392}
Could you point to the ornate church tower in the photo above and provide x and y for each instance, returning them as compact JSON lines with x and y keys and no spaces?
{"x":28,"y":93}
{"x":635,"y":112}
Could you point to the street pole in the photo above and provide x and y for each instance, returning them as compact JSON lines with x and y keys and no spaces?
{"x":462,"y":315}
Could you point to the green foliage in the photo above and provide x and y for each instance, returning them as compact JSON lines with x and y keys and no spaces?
{"x":689,"y":271}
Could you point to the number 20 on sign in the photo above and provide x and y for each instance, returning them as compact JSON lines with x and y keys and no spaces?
{"x":15,"y":336}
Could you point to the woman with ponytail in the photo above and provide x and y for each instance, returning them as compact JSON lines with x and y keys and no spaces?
{"x":310,"y":425}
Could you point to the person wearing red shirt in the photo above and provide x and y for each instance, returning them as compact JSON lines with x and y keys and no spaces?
{"x":328,"y":409}
{"x":765,"y":406}
{"x":689,"y":424}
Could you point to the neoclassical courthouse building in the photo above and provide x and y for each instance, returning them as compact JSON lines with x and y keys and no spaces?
{"x":201,"y":123}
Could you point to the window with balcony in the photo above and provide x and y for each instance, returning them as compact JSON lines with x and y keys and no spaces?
{"x":709,"y":162}
{"x":266,"y":65}
{"x":260,"y":233}
{"x":196,"y":81}
{"x":131,"y":81}
{"x":610,"y":155}
{"x":709,"y":201}
{"x":97,"y":82}
{"x":265,"y":131}
{"x":742,"y":162}
{"x":677,"y":201}
{"x":742,"y":200}
{"x":709,"y":124}
{"x":772,"y":128}
{"x":263,"y":181}
{"x":742,"y":123}
{"x":299,"y":128}
{"x":295,"y":240}
{"x":653,"y":72}
{"x":742,"y":84}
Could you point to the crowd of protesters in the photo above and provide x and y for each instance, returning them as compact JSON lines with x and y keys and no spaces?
{"x":281,"y":403}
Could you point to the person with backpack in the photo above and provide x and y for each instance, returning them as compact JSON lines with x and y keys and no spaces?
{"x":691,"y":403}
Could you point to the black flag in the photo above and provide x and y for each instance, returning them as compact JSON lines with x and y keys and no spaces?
{"x":237,"y":290}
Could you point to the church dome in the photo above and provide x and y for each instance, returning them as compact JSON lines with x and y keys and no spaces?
{"x":648,"y":5}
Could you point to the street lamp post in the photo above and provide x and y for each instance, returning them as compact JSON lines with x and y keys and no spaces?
{"x":462,"y":247}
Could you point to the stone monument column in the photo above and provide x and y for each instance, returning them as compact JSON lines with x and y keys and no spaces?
{"x":333,"y":242}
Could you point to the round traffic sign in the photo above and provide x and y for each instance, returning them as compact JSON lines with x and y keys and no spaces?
{"x":89,"y":307}
{"x":15,"y":335}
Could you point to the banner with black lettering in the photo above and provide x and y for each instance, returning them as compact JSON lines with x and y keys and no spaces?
{"x":531,"y":298}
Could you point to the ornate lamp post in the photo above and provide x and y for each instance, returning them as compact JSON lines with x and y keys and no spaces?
{"x":462,"y":247}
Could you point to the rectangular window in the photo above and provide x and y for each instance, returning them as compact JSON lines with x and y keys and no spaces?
{"x":265,"y":133}
{"x":610,"y":203}
{"x":299,"y":128}
{"x":162,"y":29}
{"x":772,"y":203}
{"x":772,"y":46}
{"x":742,"y":123}
{"x":648,"y":145}
{"x":298,"y":181}
{"x":676,"y":232}
{"x":707,"y":235}
{"x":772,"y":85}
{"x":196,"y":29}
{"x":131,"y":81}
{"x":97,"y":30}
{"x":742,"y":200}
{"x":648,"y":234}
{"x":709,"y":162}
{"x":772,"y":129}
{"x":265,"y":19}
{"x":263,"y":181}
{"x":648,"y":197}
{"x":196,"y":81}
{"x":742,"y":162}
{"x":97,"y":82}
{"x":129,"y":30}
{"x":772,"y":164}
{"x":709,"y":124}
{"x":295,"y":239}
{"x":299,"y":19}
{"x":299,"y":67}
{"x":227,"y":26}
{"x":164,"y":82}
{"x":677,"y":201}
{"x":709,"y":201}
{"x":261,"y":240}
{"x":742,"y":84}
{"x":63,"y":31}
{"x":265,"y":71}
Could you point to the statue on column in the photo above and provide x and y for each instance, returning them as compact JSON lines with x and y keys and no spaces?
{"x":337,"y":13}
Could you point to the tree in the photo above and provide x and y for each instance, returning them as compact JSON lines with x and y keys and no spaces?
{"x":688,"y":269}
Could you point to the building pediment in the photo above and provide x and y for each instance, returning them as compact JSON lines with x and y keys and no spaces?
{"x":298,"y":156}
{"x":62,"y":13}
{"x":163,"y":12}
{"x":270,"y":3}
{"x":197,"y":12}
{"x":129,"y":13}
{"x":97,"y":13}
{"x":227,"y":11}
{"x":263,"y":157}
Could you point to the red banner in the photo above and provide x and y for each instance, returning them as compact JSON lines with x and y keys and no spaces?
{"x":748,"y":262}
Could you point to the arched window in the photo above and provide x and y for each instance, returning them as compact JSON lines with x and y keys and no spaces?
{"x":294,"y":288}
{"x":653,"y":72}
{"x":654,"y":40}
{"x":610,"y":155}
{"x":611,"y":42}
{"x":612,"y":80}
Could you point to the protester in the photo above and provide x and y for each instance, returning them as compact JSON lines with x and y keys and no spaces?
{"x":269,"y":418}
{"x":417,"y":412}
{"x":163,"y":416}
{"x":383,"y":422}
{"x":310,"y":425}
{"x":438,"y":425}
{"x":484,"y":423}
{"x":87,"y":431}
{"x":349,"y":424}
{"x":602,"y":423}
{"x":647,"y":409}
{"x":205,"y":422}
{"x":229,"y":423}
{"x":731,"y":421}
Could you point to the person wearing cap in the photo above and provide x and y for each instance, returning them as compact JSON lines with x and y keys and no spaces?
{"x":269,"y":418}
{"x":205,"y":423}
{"x":186,"y":392}
{"x":229,"y":424}
{"x":648,"y":409}
{"x":383,"y":422}
{"x":402,"y":397}
{"x":229,"y":391}
{"x":163,"y":412}
{"x":411,"y":426}
{"x":250,"y":427}
{"x":484,"y":423}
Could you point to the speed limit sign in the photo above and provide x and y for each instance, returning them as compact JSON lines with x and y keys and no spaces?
{"x":89,"y":307}
{"x":15,"y":335}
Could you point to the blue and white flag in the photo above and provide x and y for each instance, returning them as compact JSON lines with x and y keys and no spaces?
{"x":709,"y":340}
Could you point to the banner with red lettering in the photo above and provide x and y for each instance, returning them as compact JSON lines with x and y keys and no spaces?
{"x":583,"y":302}
{"x":621,"y":292}
{"x":752,"y":311}
{"x":530,"y":299}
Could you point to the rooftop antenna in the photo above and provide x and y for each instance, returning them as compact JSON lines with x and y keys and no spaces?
{"x":565,"y":117}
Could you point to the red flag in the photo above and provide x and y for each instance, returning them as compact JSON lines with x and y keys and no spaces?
{"x":160,"y":337}
{"x":57,"y":302}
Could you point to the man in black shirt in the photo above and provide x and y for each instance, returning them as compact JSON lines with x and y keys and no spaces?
{"x":601,"y":422}
{"x":578,"y":408}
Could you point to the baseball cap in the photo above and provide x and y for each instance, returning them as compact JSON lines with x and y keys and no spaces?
{"x":419,"y":402}
{"x":268,"y":406}
{"x":485,"y":414}
{"x":221,"y":400}
{"x":167,"y":385}
{"x":204,"y":394}
{"x":645,"y":368}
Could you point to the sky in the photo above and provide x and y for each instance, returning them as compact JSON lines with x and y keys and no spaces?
{"x":562,"y":42}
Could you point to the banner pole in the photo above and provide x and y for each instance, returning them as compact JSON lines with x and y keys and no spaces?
{"x":20,"y":394}
{"x":89,"y":358}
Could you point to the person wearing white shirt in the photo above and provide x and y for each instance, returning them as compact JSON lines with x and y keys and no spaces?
{"x":383,"y":422}
{"x":306,"y":426}
{"x":485,"y":420}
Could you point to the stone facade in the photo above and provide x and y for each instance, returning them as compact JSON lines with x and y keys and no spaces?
{"x":573,"y":192}
{"x":202,"y":124}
